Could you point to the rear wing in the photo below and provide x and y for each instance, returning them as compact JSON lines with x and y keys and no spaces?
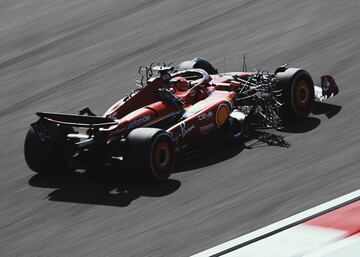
{"x":77,"y":120}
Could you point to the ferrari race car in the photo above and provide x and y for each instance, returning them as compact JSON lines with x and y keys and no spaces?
{"x":171,"y":111}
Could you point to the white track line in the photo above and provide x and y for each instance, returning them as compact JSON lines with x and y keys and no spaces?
{"x":281,"y":225}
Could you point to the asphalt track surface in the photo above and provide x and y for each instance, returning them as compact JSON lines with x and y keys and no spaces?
{"x":63,"y":56}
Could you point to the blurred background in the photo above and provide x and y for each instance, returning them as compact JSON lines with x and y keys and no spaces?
{"x":66,"y":55}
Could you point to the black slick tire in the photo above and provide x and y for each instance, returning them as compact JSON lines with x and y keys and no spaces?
{"x":45,"y":157}
{"x":297,"y":95}
{"x":150,"y":154}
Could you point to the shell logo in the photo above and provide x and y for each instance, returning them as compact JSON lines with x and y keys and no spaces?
{"x":222,"y":114}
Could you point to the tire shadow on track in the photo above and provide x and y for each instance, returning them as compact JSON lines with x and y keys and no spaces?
{"x":310,"y":123}
{"x":301,"y":126}
{"x":330,"y":110}
{"x":104,"y":188}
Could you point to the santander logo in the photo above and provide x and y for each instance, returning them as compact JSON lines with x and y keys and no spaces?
{"x":139,"y":121}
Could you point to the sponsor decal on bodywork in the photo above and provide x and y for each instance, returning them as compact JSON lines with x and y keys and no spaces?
{"x":206,"y":129}
{"x":222,"y":114}
{"x":185,"y":129}
{"x":206,"y":115}
{"x":139,"y":121}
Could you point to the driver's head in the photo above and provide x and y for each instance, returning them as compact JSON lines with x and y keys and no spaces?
{"x":179,"y":83}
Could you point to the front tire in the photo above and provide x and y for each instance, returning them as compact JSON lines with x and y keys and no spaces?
{"x":298,"y":93}
{"x":151,"y":153}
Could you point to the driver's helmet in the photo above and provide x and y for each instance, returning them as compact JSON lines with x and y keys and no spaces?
{"x":179,"y":83}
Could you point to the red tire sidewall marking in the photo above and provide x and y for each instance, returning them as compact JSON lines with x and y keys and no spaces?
{"x":302,"y":86}
{"x":166,"y":164}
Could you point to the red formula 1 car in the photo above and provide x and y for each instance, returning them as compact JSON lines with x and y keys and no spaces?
{"x":172,"y":111}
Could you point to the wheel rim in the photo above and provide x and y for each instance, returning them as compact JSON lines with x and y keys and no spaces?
{"x":162,"y":158}
{"x":302,"y":94}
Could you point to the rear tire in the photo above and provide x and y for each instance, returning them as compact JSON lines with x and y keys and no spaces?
{"x":298,"y":93}
{"x":151,"y":153}
{"x":46,"y":156}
